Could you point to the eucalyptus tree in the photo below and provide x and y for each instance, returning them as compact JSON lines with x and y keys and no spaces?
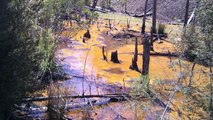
{"x":196,"y":45}
{"x":28,"y":31}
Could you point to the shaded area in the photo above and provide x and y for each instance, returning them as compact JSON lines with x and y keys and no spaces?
{"x":116,"y":70}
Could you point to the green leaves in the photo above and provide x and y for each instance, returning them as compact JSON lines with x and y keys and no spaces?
{"x":197,"y":39}
{"x":27,"y":48}
{"x":140,"y":87}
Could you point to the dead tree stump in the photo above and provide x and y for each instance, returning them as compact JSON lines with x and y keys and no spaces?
{"x":87,"y":34}
{"x":98,"y":26}
{"x":110,"y":25}
{"x":128,"y":24}
{"x":83,"y":40}
{"x":103,"y":53}
{"x":134,"y":65}
{"x":114,"y":57}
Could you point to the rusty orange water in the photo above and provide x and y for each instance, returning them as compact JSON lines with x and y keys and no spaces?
{"x":87,"y":58}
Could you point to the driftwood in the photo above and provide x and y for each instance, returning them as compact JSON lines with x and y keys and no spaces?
{"x":114,"y":57}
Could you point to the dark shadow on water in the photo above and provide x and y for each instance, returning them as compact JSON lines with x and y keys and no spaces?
{"x":116,"y":70}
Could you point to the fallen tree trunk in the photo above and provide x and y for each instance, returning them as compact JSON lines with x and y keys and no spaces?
{"x":108,"y":98}
{"x":74,"y":106}
{"x":163,"y":54}
{"x":158,"y":54}
{"x":160,"y":35}
{"x":74,"y":97}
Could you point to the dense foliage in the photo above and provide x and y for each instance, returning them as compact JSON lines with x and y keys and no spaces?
{"x":197,"y":46}
{"x":198,"y":38}
{"x":28,"y":35}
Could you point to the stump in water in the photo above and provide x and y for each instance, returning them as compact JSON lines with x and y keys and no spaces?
{"x":84,"y":40}
{"x":114,"y":57}
{"x":87,"y":34}
{"x":103,"y":53}
{"x":134,"y":65}
{"x":128,"y":24}
{"x":98,"y":26}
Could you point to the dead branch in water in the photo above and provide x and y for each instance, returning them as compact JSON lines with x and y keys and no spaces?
{"x":158,"y":54}
{"x":75,"y":97}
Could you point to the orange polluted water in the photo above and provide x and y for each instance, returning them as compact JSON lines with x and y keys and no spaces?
{"x":86,"y":60}
{"x":112,"y":73}
{"x":103,"y":77}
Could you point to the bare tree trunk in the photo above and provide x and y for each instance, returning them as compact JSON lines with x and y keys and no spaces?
{"x":211,"y":93}
{"x":128,"y":24}
{"x":110,"y":25}
{"x":144,"y":18}
{"x":186,"y":13}
{"x":152,"y":40}
{"x":146,"y":55}
{"x":136,"y":50}
{"x":94,"y":4}
{"x":134,"y":65}
{"x":103,"y":53}
{"x":109,"y":3}
{"x":191,"y":74}
{"x":154,"y":17}
{"x":153,"y":29}
{"x":125,"y":7}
